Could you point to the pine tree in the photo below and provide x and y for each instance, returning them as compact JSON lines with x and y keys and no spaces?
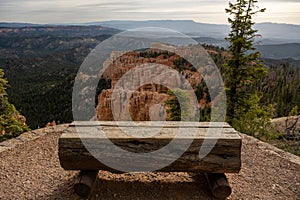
{"x":243,"y":66}
{"x":12,"y":124}
{"x":179,"y":108}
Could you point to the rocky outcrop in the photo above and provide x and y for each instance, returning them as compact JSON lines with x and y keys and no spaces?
{"x":140,"y":81}
{"x":142,"y":106}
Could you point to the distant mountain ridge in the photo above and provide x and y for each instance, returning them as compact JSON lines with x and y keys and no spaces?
{"x":53,"y":30}
{"x":272,"y":33}
{"x":278,"y":41}
{"x":17,"y":25}
{"x":291,"y":50}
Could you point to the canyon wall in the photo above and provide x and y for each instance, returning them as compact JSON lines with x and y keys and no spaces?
{"x":140,"y":82}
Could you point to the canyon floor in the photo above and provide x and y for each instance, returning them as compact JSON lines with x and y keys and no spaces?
{"x":31,"y":170}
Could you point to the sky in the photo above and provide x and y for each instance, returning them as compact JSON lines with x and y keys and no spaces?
{"x":78,"y":11}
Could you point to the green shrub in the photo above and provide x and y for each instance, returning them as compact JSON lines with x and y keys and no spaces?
{"x":12,"y":124}
{"x":255,"y":120}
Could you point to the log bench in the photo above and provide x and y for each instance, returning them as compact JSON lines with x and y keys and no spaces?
{"x":224,"y":150}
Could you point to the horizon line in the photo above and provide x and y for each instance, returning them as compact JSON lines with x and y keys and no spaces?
{"x":91,"y":22}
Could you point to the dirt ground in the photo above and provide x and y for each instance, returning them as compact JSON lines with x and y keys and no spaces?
{"x":32,"y":171}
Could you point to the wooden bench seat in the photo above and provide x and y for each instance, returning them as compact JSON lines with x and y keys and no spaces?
{"x":224,"y":157}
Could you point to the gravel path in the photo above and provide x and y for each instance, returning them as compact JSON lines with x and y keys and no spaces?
{"x":31,"y":170}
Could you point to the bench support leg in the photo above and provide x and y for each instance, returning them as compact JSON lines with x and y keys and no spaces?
{"x":218,"y":185}
{"x":85,"y":183}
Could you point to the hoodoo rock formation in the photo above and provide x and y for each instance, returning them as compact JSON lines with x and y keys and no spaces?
{"x":140,"y":82}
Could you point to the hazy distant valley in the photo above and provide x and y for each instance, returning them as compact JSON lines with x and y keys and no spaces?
{"x":277,"y":40}
{"x":41,"y":61}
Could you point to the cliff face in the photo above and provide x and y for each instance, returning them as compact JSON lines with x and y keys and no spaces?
{"x":143,"y":105}
{"x":144,"y":98}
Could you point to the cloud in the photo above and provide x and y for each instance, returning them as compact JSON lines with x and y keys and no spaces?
{"x":53,"y":11}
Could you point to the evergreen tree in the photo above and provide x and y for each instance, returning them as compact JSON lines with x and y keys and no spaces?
{"x":179,"y":108}
{"x":12,"y":124}
{"x":243,"y":66}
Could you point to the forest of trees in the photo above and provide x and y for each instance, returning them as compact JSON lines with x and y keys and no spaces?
{"x":44,"y":94}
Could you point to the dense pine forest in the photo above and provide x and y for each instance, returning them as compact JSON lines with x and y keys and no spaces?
{"x":281,"y":87}
{"x":41,"y":81}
